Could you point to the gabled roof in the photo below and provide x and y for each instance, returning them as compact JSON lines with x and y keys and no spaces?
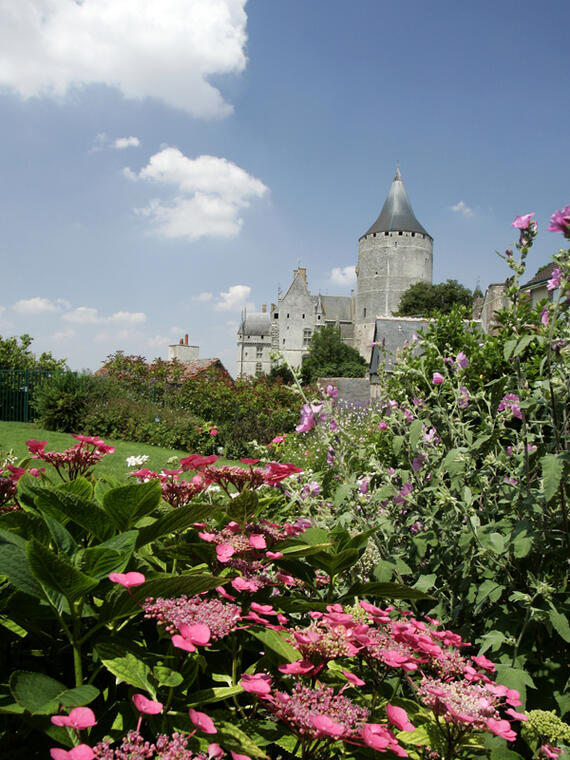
{"x":543,"y":275}
{"x":397,"y":214}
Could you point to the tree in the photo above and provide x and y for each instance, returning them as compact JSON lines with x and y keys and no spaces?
{"x":329,"y":357}
{"x":424,"y":299}
{"x":17,"y":355}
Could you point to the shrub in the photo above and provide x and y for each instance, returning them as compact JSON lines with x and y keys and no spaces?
{"x":63,"y":400}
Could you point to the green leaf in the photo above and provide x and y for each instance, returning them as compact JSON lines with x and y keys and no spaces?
{"x":415,"y":431}
{"x":12,"y":626}
{"x":551,"y":475}
{"x":525,"y":341}
{"x":276,"y":642}
{"x":492,"y":641}
{"x":216,"y":694}
{"x":15,"y":566}
{"x":560,"y":624}
{"x":513,"y":678}
{"x":109,"y":557}
{"x":303,"y":550}
{"x":314,"y":536}
{"x":166,"y":676}
{"x":176,"y":520}
{"x":425,"y":582}
{"x":243,"y":507}
{"x":397,"y":443}
{"x":454,"y":462}
{"x":79,"y":696}
{"x":126,"y":504}
{"x":62,"y":538}
{"x":125,"y":666}
{"x":81,"y":511}
{"x":80,"y":487}
{"x":332,"y":564}
{"x":488,"y":590}
{"x":233,"y":738}
{"x":55,"y":573}
{"x":496,"y":543}
{"x":508,"y":349}
{"x":376,"y":590}
{"x":420,"y":737}
{"x":343,"y":491}
{"x":36,"y":692}
{"x":521,"y":539}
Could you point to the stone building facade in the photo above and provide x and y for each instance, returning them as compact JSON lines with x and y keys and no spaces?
{"x":394,"y":253}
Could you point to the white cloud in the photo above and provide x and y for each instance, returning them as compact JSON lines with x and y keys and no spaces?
{"x":166,"y":50}
{"x":209,"y":193}
{"x":159,"y":341}
{"x":234,"y":298}
{"x":82,"y":315}
{"x":63,"y":335}
{"x":343,"y":275}
{"x":203,"y":297}
{"x":126,"y":142}
{"x":462,"y":208}
{"x":4,"y":323}
{"x":34,"y":306}
{"x":128,"y":317}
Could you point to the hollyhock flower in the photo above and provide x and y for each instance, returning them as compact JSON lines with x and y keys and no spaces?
{"x":364,"y":485}
{"x":510,"y":402}
{"x":555,"y":280}
{"x":544,"y":316}
{"x":79,"y":718}
{"x":463,"y":399}
{"x":437,"y":378}
{"x":202,"y":721}
{"x":462,"y":360}
{"x":382,"y":425}
{"x":258,"y":683}
{"x":560,"y":221}
{"x":332,"y":392}
{"x":523,"y":221}
{"x":146,"y":706}
{"x":333,"y":426}
{"x":399,"y":717}
{"x":127,"y":579}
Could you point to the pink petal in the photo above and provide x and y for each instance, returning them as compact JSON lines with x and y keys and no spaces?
{"x":224,"y":552}
{"x":181,"y":643}
{"x":202,"y":721}
{"x":354,"y":680}
{"x":127,"y":579}
{"x":399,"y":718}
{"x":199,"y":633}
{"x":81,"y":752}
{"x":147,"y":706}
{"x":325,"y":725}
{"x":258,"y":683}
{"x":215,"y":751}
{"x":257,"y":541}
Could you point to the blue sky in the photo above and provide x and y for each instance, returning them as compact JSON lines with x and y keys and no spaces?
{"x":166,"y":164}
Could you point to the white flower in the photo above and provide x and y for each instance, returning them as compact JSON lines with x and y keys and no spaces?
{"x":137,"y":461}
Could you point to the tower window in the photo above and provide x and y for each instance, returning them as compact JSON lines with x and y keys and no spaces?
{"x":364,"y":311}
{"x":259,"y":352}
{"x":400,"y":233}
{"x":287,"y":316}
{"x":386,"y":234}
{"x":303,"y":316}
{"x":413,"y":234}
{"x":276,"y":315}
{"x":306,"y":337}
{"x":258,"y":368}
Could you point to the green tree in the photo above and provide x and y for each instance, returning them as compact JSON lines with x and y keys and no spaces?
{"x":15,"y":353}
{"x":329,"y":357}
{"x":424,"y":299}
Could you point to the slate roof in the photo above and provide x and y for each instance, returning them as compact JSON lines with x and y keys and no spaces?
{"x":543,"y":274}
{"x":397,"y":214}
{"x":256,"y":323}
{"x":337,"y":307}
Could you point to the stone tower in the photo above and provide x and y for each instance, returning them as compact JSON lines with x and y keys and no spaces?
{"x":393,"y":254}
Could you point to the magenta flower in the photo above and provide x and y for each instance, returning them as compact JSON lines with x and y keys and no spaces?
{"x":553,"y":283}
{"x":524,"y":221}
{"x":80,"y":752}
{"x":299,"y":666}
{"x":462,"y":360}
{"x":127,"y":579}
{"x":327,"y":726}
{"x":501,"y":728}
{"x":79,"y":718}
{"x":437,"y":378}
{"x":382,"y":425}
{"x":399,"y":718}
{"x":549,"y":751}
{"x":353,"y":679}
{"x":257,"y":541}
{"x":36,"y":446}
{"x":224,"y":552}
{"x":147,"y":706}
{"x":560,"y":221}
{"x":202,"y":721}
{"x":258,"y":683}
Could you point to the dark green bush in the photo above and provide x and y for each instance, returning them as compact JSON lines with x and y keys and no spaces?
{"x":64,"y":399}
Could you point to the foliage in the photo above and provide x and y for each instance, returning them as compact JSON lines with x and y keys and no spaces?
{"x":424,"y":299}
{"x":15,"y":353}
{"x":62,"y":401}
{"x":328,"y":356}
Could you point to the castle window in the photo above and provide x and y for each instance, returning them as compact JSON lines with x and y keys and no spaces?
{"x":400,"y":233}
{"x":287,"y":316}
{"x":306,"y":337}
{"x":258,"y":368}
{"x":373,"y":234}
{"x":319,"y":317}
{"x":386,"y":234}
{"x":303,"y":316}
{"x":276,"y":315}
{"x":259,"y":352}
{"x":413,"y":234}
{"x":364,"y":311}
{"x":262,"y":337}
{"x":283,"y":341}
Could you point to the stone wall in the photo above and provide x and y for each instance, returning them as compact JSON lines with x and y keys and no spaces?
{"x":350,"y":389}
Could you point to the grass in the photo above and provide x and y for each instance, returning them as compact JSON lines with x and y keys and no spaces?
{"x":13,"y":436}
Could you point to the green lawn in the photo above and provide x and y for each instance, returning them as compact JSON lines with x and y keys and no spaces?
{"x":13,"y":435}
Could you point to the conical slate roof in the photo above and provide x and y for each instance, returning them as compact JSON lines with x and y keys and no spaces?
{"x":397,"y":214}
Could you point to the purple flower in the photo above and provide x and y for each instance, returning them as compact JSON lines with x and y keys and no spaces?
{"x":523,"y":221}
{"x":544,"y":316}
{"x":364,"y":485}
{"x":462,"y":360}
{"x":463,"y":400}
{"x":437,"y":378}
{"x":560,"y":221}
{"x":510,"y":402}
{"x":332,"y":392}
{"x":382,"y":425}
{"x":554,"y":281}
{"x":333,"y":426}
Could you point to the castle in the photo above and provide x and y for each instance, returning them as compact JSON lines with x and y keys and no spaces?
{"x":394,"y":253}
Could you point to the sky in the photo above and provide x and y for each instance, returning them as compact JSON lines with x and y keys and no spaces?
{"x":167,"y":164}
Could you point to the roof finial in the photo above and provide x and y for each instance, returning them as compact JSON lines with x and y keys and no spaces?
{"x":398,"y":175}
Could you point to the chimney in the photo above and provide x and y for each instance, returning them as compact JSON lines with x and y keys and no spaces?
{"x":181,"y":341}
{"x":263,"y":307}
{"x":186,"y":339}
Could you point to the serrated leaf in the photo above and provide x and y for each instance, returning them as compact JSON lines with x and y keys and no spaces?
{"x":36,"y":692}
{"x":125,"y":666}
{"x":216,"y":694}
{"x":397,"y":443}
{"x":55,"y":573}
{"x":126,"y":504}
{"x":560,"y":624}
{"x":79,"y":696}
{"x":525,"y":341}
{"x":377,"y":590}
{"x":179,"y":519}
{"x":235,"y":739}
{"x":343,"y":491}
{"x":62,"y":538}
{"x":277,"y":643}
{"x":508,"y":348}
{"x":243,"y":507}
{"x":488,"y":590}
{"x":165,"y":676}
{"x":81,"y":511}
{"x":551,"y":475}
{"x":15,"y":566}
{"x":303,"y":550}
{"x":332,"y":564}
{"x":79,"y":487}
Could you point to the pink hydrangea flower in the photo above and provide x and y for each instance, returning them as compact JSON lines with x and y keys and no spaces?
{"x":79,"y":718}
{"x":127,"y":579}
{"x":399,"y":718}
{"x":147,"y":706}
{"x":203,"y":722}
{"x":80,"y":752}
{"x":258,"y":683}
{"x":325,"y":725}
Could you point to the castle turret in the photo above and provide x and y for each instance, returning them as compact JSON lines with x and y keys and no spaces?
{"x":393,"y":254}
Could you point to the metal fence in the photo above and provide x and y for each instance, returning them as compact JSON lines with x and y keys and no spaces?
{"x":17,"y":390}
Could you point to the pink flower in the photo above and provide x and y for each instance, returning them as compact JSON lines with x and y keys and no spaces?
{"x":462,"y":360}
{"x":327,"y":726}
{"x":516,"y":715}
{"x":36,"y":446}
{"x":273,"y":555}
{"x":127,"y":579}
{"x":257,"y":541}
{"x":553,"y":283}
{"x":482,"y":662}
{"x":147,"y":706}
{"x":224,"y":552}
{"x":437,"y":378}
{"x":213,"y":431}
{"x":523,"y":222}
{"x":278,"y":439}
{"x":550,"y":751}
{"x":241,"y":584}
{"x":353,"y":679}
{"x":80,"y":752}
{"x":258,"y":683}
{"x":382,"y":425}
{"x":544,"y":316}
{"x":203,"y":722}
{"x":237,"y":756}
{"x":215,"y":751}
{"x":560,"y":221}
{"x":299,"y":666}
{"x":79,"y":718}
{"x":399,"y":718}
{"x":501,"y":728}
